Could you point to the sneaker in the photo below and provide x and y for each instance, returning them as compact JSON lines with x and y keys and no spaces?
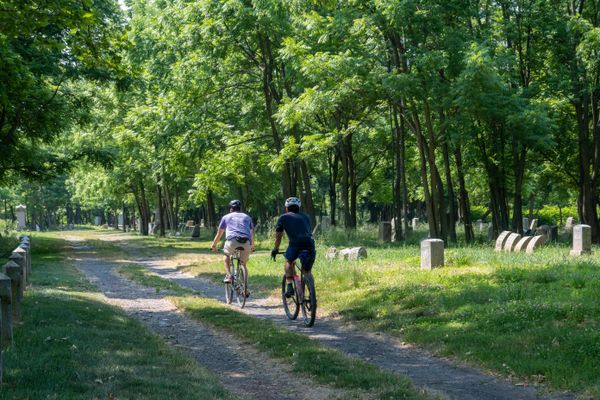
{"x":227,"y":278}
{"x":289,"y":291}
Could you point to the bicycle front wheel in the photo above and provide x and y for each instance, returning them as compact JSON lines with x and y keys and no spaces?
{"x":309,"y":300}
{"x":241,"y":285}
{"x":228,"y":292}
{"x":290,"y":304}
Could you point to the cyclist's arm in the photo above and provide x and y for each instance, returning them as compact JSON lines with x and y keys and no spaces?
{"x":217,"y":238}
{"x":278,"y":237}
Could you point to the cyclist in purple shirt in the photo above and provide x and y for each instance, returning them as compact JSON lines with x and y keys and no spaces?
{"x":239,"y":232}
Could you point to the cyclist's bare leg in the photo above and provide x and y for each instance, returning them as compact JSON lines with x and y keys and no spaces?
{"x":289,"y":271}
{"x":226,"y":260}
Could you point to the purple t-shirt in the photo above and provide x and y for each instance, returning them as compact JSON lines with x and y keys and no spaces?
{"x":236,"y":224}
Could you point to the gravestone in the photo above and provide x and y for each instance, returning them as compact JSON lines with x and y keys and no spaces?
{"x":21,"y":217}
{"x":479,"y":224}
{"x":522,"y":244}
{"x":316,"y":230}
{"x":535,"y":242}
{"x":415,"y":223}
{"x":37,"y":228}
{"x":13,"y":271}
{"x":569,"y":224}
{"x":120,"y":220}
{"x":511,"y":242}
{"x":196,"y":232}
{"x":385,"y":231}
{"x":18,"y":259}
{"x":353,"y":253}
{"x":534,"y":224}
{"x":544,"y":230}
{"x":6,"y":332}
{"x":502,"y":240}
{"x":432,"y":253}
{"x":582,"y":240}
{"x":331,"y":253}
{"x":490,"y":232}
{"x":525,"y":223}
{"x":97,"y":221}
{"x":325,"y":223}
{"x":150,"y":228}
{"x":202,"y":225}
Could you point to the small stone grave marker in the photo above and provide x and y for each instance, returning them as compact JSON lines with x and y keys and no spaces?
{"x":582,"y":240}
{"x":432,"y":254}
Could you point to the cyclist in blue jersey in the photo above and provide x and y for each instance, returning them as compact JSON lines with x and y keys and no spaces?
{"x":297,"y":227}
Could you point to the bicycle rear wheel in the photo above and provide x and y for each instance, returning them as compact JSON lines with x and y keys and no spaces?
{"x":241,"y":285}
{"x":290,"y":304}
{"x":309,"y":301}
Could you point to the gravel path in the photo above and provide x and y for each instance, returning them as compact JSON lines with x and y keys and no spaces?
{"x":239,"y":367}
{"x":434,"y":374}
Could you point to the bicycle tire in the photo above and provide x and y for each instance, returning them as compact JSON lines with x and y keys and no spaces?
{"x":290,"y":304}
{"x":241,"y":285}
{"x":309,"y":301}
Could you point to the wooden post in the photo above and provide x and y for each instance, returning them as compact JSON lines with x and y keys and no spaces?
{"x":13,"y":271}
{"x":6,"y":311}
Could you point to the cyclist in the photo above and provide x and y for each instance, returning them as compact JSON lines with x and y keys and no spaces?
{"x":297,"y":227}
{"x":239,"y":232}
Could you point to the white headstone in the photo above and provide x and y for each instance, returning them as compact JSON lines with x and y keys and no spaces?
{"x":325,"y":223}
{"x":525,"y":223}
{"x":582,"y":240}
{"x":120,"y":220}
{"x":415,"y":223}
{"x":150,"y":228}
{"x":569,"y":224}
{"x":395,"y":223}
{"x":511,"y":242}
{"x":202,"y":223}
{"x":502,"y":240}
{"x":534,"y":224}
{"x":37,"y":228}
{"x":479,"y":223}
{"x":352,"y":253}
{"x":21,"y":216}
{"x":432,"y":253}
{"x":534,"y":243}
{"x":522,"y":244}
{"x":97,"y":220}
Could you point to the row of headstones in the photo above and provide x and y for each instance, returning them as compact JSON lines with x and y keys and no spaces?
{"x":14,"y":279}
{"x":513,"y":242}
{"x":432,"y":250}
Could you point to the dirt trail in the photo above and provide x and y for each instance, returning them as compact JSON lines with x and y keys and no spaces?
{"x":240,"y":368}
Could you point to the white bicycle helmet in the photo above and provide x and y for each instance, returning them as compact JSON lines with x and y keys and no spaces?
{"x":292,"y":201}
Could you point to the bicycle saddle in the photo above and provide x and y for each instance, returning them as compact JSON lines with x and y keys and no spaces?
{"x":239,"y":248}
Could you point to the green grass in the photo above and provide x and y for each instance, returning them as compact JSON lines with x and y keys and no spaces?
{"x":305,"y":356}
{"x":71,"y":345}
{"x":531,"y":317}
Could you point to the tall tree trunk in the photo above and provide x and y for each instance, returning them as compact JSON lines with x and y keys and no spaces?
{"x":345,"y":185}
{"x":309,"y":206}
{"x":161,"y":208}
{"x":211,"y":216}
{"x":519,"y":155}
{"x":399,"y":174}
{"x":464,"y":196}
{"x":333,"y":161}
{"x":449,"y":185}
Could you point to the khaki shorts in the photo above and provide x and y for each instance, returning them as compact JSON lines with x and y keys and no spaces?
{"x":231,"y":245}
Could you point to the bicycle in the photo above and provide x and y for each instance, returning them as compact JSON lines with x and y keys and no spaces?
{"x":239,"y":280}
{"x":305,"y":295}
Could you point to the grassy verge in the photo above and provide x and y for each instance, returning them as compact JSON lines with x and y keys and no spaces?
{"x":71,"y":345}
{"x":532,"y":317}
{"x":306,"y":357}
